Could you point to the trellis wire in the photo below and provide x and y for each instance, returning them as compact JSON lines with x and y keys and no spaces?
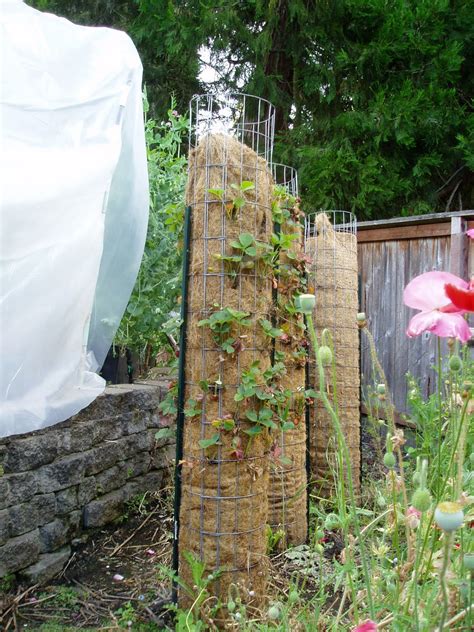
{"x":331,"y":242}
{"x":249,"y":119}
{"x":285,"y":176}
{"x":224,"y":536}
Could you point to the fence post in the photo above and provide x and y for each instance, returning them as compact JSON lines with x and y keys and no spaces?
{"x":459,"y":248}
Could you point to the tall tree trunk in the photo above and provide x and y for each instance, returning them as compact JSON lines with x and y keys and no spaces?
{"x":279,"y":65}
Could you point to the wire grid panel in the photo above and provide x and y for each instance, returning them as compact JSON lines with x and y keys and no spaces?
{"x":224,"y":486}
{"x":287,"y":496}
{"x":331,"y":243}
{"x":249,"y":119}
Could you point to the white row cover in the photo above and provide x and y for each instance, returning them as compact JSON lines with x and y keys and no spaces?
{"x":74,"y":209}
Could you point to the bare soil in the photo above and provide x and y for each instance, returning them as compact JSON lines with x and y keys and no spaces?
{"x":112,"y":581}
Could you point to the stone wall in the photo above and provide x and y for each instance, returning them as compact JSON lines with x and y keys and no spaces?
{"x":76,"y":475}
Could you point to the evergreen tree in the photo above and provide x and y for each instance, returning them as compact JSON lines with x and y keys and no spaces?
{"x":374,"y":98}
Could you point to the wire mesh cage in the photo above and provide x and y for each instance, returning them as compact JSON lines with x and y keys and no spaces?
{"x":248,"y":119}
{"x":224,"y":469}
{"x":287,"y":495}
{"x":331,"y":243}
{"x":286,"y":177}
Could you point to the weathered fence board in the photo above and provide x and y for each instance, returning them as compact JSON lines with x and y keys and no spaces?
{"x":390,"y":255}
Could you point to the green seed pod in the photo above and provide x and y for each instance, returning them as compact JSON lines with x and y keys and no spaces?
{"x":293,"y":597}
{"x":455,"y":363}
{"x":305,"y":303}
{"x":325,"y":355}
{"x":273,"y":613}
{"x":449,"y":516}
{"x":389,"y":460}
{"x":231,"y":605}
{"x":361,"y":317}
{"x":381,"y":390}
{"x":468,"y":561}
{"x":421,"y":500}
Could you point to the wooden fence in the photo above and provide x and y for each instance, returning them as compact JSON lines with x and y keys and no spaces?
{"x":391,"y":253}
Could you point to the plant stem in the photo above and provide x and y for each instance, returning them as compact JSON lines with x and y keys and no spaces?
{"x":440,"y":409}
{"x":430,"y":521}
{"x":461,"y":449}
{"x":338,"y":429}
{"x":389,"y":409}
{"x":471,"y":600}
{"x":415,"y":572}
{"x":442,"y":577}
{"x":443,"y":487}
{"x":396,"y":543}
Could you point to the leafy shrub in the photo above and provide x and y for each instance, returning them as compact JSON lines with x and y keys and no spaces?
{"x":154,"y":301}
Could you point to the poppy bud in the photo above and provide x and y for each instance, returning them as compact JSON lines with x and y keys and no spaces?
{"x":389,"y":460}
{"x":421,"y":500}
{"x":455,"y":363}
{"x":325,"y":355}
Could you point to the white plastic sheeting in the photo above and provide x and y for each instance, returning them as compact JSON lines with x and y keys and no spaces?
{"x":74,"y":209}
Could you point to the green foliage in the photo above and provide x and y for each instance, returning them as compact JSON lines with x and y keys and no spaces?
{"x":374,"y":99}
{"x":223,"y":324}
{"x":269,"y":329}
{"x":189,"y":620}
{"x":147,"y":317}
{"x":386,"y":116}
{"x":126,"y":615}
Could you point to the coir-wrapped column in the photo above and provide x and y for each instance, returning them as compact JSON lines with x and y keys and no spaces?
{"x":331,"y":243}
{"x":225,"y":464}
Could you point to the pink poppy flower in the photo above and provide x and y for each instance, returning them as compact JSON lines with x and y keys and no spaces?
{"x":470,"y":233}
{"x":437,"y":314}
{"x":365,"y":626}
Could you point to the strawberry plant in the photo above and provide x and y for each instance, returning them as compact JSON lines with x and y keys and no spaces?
{"x":222,"y":323}
{"x":237,"y":201}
